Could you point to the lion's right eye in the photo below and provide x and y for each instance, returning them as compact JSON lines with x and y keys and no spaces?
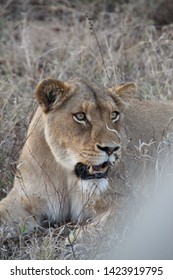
{"x":80,"y":117}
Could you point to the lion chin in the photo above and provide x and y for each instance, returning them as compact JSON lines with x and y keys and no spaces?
{"x":94,"y":178}
{"x":94,"y":186}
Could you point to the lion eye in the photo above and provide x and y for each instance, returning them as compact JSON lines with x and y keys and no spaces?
{"x":115,"y":116}
{"x":79,"y":117}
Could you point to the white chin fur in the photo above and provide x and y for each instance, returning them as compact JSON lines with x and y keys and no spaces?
{"x":96,"y":187}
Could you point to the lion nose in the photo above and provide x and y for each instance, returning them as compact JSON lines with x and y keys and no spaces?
{"x":108,"y":149}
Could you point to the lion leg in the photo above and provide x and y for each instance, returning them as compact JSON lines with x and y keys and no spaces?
{"x":17,"y":215}
{"x":81,"y":240}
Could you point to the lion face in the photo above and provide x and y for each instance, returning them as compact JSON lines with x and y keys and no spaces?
{"x":83,"y":124}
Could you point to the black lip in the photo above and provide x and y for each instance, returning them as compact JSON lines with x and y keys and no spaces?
{"x":82,"y":172}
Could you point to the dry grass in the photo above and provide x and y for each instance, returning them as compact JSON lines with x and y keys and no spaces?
{"x":66,"y":39}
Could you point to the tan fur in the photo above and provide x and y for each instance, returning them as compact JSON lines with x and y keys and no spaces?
{"x":46,"y":186}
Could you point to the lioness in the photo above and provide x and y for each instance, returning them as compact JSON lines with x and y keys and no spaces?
{"x":73,"y":144}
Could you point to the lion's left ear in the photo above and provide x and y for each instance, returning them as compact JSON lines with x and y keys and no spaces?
{"x":51,"y":91}
{"x":123,"y":93}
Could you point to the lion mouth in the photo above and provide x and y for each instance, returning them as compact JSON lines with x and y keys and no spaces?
{"x":85,"y":172}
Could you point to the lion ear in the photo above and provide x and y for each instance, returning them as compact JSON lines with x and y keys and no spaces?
{"x":123,"y":93}
{"x":51,"y":91}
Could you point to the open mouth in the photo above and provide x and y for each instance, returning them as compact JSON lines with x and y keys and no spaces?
{"x":91,"y":172}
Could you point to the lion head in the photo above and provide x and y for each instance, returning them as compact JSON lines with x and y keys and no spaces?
{"x":82,"y":124}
